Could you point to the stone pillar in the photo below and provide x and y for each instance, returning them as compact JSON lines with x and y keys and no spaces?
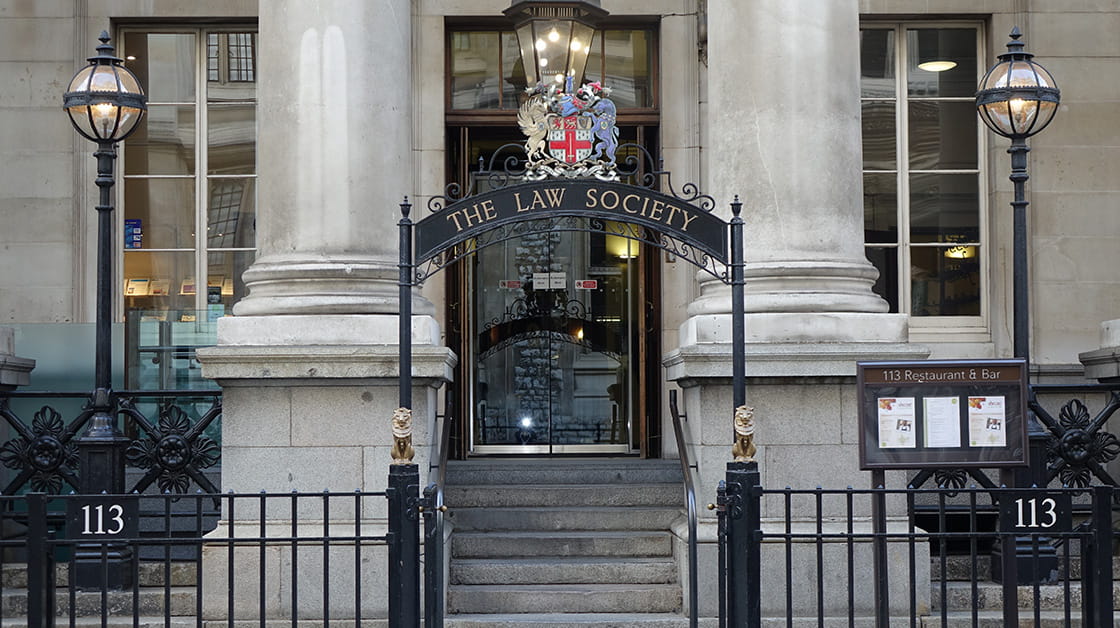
{"x":335,"y":146}
{"x":309,"y":363}
{"x":782,"y":132}
{"x":783,"y":125}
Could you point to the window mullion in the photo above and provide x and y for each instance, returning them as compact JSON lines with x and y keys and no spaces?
{"x":902,"y":121}
{"x":201,"y":168}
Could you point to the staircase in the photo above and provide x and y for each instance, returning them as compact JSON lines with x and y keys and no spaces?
{"x":165,"y":597}
{"x":959,"y":598}
{"x":567,"y":543}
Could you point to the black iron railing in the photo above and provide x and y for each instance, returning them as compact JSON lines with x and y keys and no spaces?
{"x":827,"y":559}
{"x":171,"y":440}
{"x":269,"y":558}
{"x":687,"y":468}
{"x":238,"y":571}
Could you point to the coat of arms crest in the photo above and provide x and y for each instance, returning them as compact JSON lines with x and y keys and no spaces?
{"x":570,"y":134}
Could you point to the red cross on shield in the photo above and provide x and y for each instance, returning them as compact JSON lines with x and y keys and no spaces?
{"x":568,"y":140}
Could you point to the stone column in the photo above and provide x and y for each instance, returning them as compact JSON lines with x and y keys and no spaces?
{"x":782,"y":132}
{"x":309,"y":363}
{"x":334,"y":156}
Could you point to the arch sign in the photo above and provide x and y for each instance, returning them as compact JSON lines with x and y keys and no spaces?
{"x":675,"y":224}
{"x":614,"y":201}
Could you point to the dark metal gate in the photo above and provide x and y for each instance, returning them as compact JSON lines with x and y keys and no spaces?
{"x":845,"y":555}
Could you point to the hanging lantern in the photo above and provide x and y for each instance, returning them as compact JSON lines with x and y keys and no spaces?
{"x":555,"y":38}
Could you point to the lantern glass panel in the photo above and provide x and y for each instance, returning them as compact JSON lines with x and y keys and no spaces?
{"x":528,"y":53}
{"x":80,"y":117}
{"x":104,"y":79}
{"x":129,"y":116}
{"x":80,"y":82}
{"x":579,"y":48}
{"x":552,"y":40}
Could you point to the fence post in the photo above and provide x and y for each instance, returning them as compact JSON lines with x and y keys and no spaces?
{"x":1099,"y":593}
{"x":744,"y":551}
{"x":403,"y":494}
{"x":40,"y":565}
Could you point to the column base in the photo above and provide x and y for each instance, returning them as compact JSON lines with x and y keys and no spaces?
{"x":1104,"y":364}
{"x":14,"y":371}
{"x":333,"y":285}
{"x":797,"y":286}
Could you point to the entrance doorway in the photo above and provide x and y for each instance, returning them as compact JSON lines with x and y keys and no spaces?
{"x":558,"y":331}
{"x":555,"y":336}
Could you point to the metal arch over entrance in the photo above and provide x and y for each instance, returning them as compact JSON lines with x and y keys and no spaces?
{"x":465,"y":219}
{"x":468,"y":224}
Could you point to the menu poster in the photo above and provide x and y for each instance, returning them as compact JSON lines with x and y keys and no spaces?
{"x":897,"y":423}
{"x":137,"y":287}
{"x":987,"y":422}
{"x":161,"y":287}
{"x":942,"y":421}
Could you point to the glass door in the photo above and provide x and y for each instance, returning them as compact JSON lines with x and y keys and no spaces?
{"x":554,"y":328}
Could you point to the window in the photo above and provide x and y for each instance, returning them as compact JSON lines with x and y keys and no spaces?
{"x":924,"y":221}
{"x":189,"y":173}
{"x":486,"y":72}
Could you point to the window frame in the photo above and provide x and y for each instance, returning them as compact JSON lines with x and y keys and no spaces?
{"x":642,"y":116}
{"x":201,"y":177}
{"x":934,"y":328}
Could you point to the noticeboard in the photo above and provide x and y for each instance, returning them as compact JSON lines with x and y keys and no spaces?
{"x":955,"y":414}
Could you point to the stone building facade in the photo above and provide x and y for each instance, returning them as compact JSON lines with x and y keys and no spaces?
{"x":876,"y":208}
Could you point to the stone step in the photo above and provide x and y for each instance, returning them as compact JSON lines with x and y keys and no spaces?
{"x":119,"y":604}
{"x":567,"y":495}
{"x":989,"y":596}
{"x":557,"y":570}
{"x":566,"y":620}
{"x":564,"y":598}
{"x":113,"y":622}
{"x":565,"y":518}
{"x":994,"y":619}
{"x":503,"y":472}
{"x":961,"y":568}
{"x":526,"y":544}
{"x":151,"y":574}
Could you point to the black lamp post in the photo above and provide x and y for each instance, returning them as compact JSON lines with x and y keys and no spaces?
{"x":1018,"y":98}
{"x":105,"y":104}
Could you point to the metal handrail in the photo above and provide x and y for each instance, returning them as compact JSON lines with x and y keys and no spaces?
{"x":690,"y":499}
{"x":433,"y":524}
{"x":438,"y":462}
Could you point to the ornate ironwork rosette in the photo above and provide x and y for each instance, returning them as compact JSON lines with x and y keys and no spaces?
{"x":45,"y":454}
{"x":174,"y":452}
{"x":1079,"y":447}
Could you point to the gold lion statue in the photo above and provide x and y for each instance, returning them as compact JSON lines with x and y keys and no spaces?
{"x":743,"y":450}
{"x":402,"y":436}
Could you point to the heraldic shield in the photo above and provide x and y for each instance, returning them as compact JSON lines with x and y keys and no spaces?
{"x":569,"y":139}
{"x":570,"y":134}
